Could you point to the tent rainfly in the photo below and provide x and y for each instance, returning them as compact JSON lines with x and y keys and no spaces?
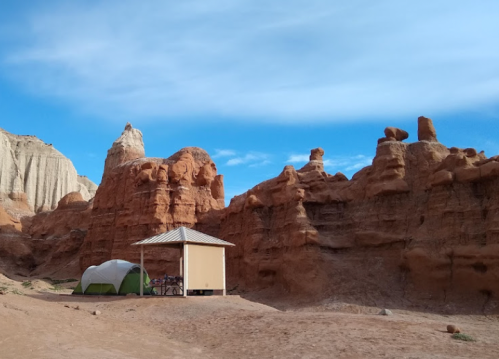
{"x":202,"y":258}
{"x":112,"y":277}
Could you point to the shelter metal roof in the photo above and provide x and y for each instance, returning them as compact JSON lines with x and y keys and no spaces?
{"x":183,"y":235}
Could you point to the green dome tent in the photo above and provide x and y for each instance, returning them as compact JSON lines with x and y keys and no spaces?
{"x":114,"y":277}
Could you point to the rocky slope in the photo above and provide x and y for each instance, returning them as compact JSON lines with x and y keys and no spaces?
{"x":34,"y":176}
{"x":140,"y":197}
{"x":421,"y":222}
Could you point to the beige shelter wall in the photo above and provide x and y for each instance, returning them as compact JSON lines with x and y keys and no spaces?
{"x":205,"y":266}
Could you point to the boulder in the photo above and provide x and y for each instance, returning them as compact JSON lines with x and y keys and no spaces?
{"x":385,"y":312}
{"x":316,"y":154}
{"x":396,"y":133}
{"x":426,"y":130}
{"x":453,"y":329}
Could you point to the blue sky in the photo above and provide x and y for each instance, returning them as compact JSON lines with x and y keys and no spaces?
{"x":256,"y":84}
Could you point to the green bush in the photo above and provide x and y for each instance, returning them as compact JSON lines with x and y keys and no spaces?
{"x":461,"y":336}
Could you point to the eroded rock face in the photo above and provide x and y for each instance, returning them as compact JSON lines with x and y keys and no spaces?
{"x":421,"y":222}
{"x":47,"y":243}
{"x":140,"y":197}
{"x":129,"y":146}
{"x":34,"y":176}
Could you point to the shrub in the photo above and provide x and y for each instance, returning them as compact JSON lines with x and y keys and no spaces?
{"x":461,"y":336}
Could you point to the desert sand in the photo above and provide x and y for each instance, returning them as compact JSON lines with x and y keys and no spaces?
{"x":41,"y":320}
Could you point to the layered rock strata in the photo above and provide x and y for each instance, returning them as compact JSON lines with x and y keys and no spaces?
{"x":140,"y":197}
{"x":34,"y":176}
{"x":421,"y":222}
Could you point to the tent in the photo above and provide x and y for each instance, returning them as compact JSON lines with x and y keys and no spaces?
{"x":114,"y":277}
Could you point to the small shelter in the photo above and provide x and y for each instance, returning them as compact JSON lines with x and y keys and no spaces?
{"x":202,"y":258}
{"x":116,"y":277}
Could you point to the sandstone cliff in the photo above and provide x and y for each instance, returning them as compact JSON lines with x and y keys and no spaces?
{"x":140,"y":197}
{"x":34,"y":176}
{"x":421,"y":222}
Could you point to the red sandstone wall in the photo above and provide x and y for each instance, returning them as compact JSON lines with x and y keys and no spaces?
{"x":422,"y":222}
{"x":147,"y":196}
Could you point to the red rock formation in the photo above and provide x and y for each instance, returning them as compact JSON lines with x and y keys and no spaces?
{"x":393,"y":134}
{"x":48,"y":243}
{"x":72,"y":212}
{"x":421,"y":222}
{"x":426,"y":130}
{"x":140,"y":197}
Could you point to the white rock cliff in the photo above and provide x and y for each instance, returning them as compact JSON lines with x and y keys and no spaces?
{"x":34,"y":176}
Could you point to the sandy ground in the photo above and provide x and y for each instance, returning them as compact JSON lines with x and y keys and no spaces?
{"x":36,"y":321}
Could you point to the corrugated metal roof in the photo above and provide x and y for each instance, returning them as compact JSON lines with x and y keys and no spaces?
{"x":183,"y":235}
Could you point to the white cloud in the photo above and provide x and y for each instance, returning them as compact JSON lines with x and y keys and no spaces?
{"x":235,"y":161}
{"x":298,"y":158}
{"x":223,"y":153}
{"x":252,"y":158}
{"x":306,"y":61}
{"x":347,"y":164}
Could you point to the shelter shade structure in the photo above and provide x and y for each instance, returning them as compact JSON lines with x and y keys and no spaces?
{"x":202,"y":258}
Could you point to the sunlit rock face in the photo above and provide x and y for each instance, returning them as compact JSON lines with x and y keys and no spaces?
{"x":34,"y":176}
{"x":140,"y":197}
{"x":422,"y":222}
{"x":44,"y":208}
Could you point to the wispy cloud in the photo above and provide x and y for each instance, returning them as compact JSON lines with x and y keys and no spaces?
{"x":318,"y":60}
{"x":260,"y":164}
{"x":223,"y":153}
{"x":253,"y":159}
{"x":298,"y":158}
{"x":348,"y":163}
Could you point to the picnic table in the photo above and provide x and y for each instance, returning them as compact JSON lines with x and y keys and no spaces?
{"x":168,"y":285}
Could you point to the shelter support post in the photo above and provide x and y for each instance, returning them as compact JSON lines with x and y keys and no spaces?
{"x":223,"y":256}
{"x":141,"y":271}
{"x":185,"y":250}
{"x":181,"y":261}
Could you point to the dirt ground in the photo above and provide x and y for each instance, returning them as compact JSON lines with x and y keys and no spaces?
{"x":36,"y":321}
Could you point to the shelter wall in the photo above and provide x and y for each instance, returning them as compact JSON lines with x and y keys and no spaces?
{"x":206,"y":267}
